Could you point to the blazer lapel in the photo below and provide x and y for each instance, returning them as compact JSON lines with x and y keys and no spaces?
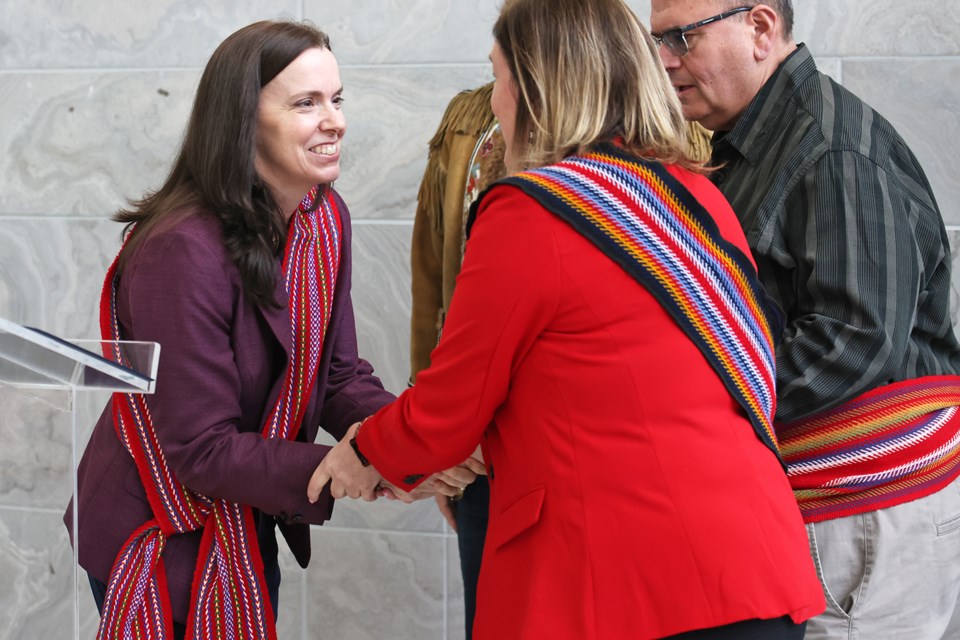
{"x":278,"y":318}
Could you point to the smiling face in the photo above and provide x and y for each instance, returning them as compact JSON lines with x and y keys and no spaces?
{"x":300,"y":126}
{"x":720,"y":75}
{"x":503,"y":101}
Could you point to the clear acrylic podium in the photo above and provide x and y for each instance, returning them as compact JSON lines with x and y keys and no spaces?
{"x":53,"y":371}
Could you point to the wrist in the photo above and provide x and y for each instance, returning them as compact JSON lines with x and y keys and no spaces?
{"x":356,"y":447}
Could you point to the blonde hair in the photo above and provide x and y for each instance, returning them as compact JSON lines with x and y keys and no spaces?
{"x":587,"y":71}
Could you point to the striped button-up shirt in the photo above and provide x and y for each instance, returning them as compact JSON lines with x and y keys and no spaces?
{"x":847,"y":237}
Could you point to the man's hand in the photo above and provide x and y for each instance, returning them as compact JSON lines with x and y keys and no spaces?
{"x":345,"y":473}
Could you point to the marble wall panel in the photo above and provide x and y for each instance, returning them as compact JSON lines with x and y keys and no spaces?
{"x":455,"y":615}
{"x":364,"y":585}
{"x":48,"y":34}
{"x":879,"y":27}
{"x":291,"y":617}
{"x":51,"y":272}
{"x":406,"y":31}
{"x":392,"y":112}
{"x":381,"y":298}
{"x":954,"y":235}
{"x":36,"y":592}
{"x":81,"y":143}
{"x":35,"y":458}
{"x":833,"y":67}
{"x":924,"y":105}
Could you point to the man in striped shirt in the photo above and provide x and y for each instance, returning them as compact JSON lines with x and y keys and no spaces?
{"x":850,"y":242}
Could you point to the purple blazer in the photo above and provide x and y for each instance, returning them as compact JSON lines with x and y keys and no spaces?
{"x":222,"y":360}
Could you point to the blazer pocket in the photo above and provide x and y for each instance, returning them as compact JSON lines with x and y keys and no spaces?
{"x":520,"y":515}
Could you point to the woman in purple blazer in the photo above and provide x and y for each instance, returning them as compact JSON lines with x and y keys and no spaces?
{"x":239,"y":266}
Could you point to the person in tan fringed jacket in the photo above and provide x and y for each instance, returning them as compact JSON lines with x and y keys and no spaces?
{"x":466,"y":156}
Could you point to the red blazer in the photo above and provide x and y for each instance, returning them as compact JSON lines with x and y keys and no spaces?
{"x":222,"y":359}
{"x":630,"y":497}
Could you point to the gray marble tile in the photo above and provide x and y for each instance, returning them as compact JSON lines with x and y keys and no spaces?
{"x":381,"y":299}
{"x":878,"y":27}
{"x":406,"y":31}
{"x":455,"y":616}
{"x":642,"y":9}
{"x":954,"y":235}
{"x":369,"y":585}
{"x":291,"y":619}
{"x":36,"y":594}
{"x":391,"y":115}
{"x":924,"y":105}
{"x":51,"y":272}
{"x":833,"y":67}
{"x":35,"y":463}
{"x":81,"y":143}
{"x":35,"y":458}
{"x":49,"y":34}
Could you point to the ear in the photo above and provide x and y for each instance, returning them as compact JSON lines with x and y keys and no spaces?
{"x":765,"y":23}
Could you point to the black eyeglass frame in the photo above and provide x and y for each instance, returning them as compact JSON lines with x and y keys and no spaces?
{"x":673,"y":43}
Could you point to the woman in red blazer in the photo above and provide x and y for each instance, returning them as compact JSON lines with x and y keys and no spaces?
{"x":613,"y":358}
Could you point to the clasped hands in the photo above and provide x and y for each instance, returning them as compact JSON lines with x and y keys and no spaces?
{"x":347,"y":476}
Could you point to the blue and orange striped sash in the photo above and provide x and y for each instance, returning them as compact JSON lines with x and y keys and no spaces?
{"x":647,"y":222}
{"x":229,"y":597}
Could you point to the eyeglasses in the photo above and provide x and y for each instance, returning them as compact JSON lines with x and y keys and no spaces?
{"x":676,"y":42}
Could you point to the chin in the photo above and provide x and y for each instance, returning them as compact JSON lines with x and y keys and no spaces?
{"x":327,"y":177}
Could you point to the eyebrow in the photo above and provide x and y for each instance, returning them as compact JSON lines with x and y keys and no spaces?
{"x":314,"y":92}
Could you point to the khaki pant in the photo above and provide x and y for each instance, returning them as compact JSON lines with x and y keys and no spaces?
{"x":891,"y":574}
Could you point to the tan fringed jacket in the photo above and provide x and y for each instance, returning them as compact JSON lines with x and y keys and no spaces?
{"x":437,"y":246}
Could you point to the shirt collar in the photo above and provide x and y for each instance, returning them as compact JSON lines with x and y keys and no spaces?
{"x":751,"y":134}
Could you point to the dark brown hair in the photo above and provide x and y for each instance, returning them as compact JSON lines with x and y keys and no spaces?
{"x":215,"y":165}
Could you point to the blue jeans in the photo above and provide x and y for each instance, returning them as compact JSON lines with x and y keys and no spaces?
{"x":471,"y":515}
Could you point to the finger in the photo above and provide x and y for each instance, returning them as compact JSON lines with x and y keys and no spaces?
{"x":448,"y":490}
{"x":317,"y":482}
{"x":337,"y":490}
{"x":458,"y":476}
{"x":476,"y":466}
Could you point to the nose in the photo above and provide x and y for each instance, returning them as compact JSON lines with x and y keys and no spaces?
{"x":333,"y":120}
{"x":670,"y":60}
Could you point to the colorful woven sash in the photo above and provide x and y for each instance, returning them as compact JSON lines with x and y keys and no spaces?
{"x":896,"y":443}
{"x":646,"y":221}
{"x":229,"y":597}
